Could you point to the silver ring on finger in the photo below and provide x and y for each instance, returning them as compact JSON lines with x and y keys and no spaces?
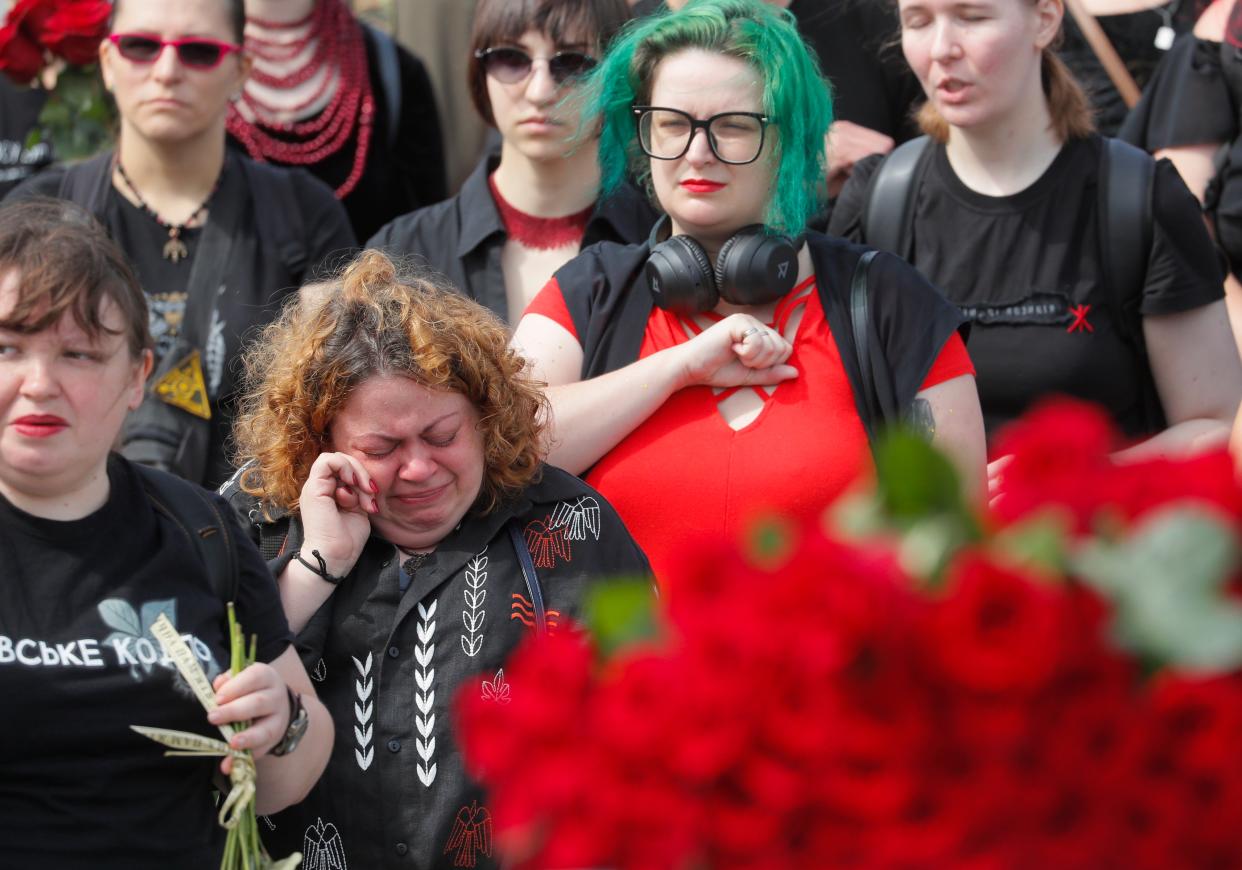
{"x":751,"y":332}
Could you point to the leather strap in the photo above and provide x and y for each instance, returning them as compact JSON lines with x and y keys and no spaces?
{"x":860,"y":320}
{"x":529,"y":575}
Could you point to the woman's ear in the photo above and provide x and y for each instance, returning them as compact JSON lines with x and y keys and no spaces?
{"x":106,"y":48}
{"x":142,"y":370}
{"x":1048,"y":13}
{"x":246,"y":63}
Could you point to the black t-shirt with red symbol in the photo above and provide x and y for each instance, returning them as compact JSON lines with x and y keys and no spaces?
{"x":1027,"y":271}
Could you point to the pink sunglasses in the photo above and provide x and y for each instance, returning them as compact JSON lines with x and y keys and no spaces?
{"x":195,"y":52}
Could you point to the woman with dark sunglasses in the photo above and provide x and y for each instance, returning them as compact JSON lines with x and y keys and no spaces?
{"x":216,"y":239}
{"x":526,"y":211}
{"x":709,"y":377}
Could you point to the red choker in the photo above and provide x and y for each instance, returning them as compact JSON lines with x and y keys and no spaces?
{"x":540,"y":233}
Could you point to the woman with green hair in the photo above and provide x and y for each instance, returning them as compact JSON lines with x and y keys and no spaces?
{"x":711,"y":375}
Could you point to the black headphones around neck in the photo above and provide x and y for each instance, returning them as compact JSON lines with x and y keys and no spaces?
{"x":754,"y":267}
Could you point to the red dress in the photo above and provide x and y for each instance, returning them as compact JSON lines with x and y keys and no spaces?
{"x":684,"y":473}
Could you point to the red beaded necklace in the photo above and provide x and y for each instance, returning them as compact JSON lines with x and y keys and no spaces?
{"x":540,"y":233}
{"x":340,"y":48}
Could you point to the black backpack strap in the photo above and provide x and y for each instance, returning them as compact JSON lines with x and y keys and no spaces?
{"x":529,"y":575}
{"x":1127,"y":178}
{"x":278,"y":214}
{"x":390,"y":77}
{"x":201,"y":520}
{"x":860,"y":321}
{"x":887,"y":215}
{"x":1126,"y":189}
{"x":87,"y":183}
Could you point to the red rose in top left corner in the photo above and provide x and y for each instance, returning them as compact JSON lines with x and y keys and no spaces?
{"x":74,"y":30}
{"x":20,"y":57}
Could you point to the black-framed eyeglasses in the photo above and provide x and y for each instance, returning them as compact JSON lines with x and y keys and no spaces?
{"x":510,"y":65}
{"x":734,"y":137}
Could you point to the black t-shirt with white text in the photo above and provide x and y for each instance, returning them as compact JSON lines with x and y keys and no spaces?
{"x":1026,"y":270}
{"x":78,"y":666}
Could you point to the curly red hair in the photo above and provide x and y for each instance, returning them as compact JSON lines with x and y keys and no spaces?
{"x":372,"y":321}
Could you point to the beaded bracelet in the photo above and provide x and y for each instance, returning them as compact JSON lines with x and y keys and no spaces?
{"x":322,"y":570}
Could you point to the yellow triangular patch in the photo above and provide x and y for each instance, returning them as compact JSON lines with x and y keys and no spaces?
{"x":183,"y":387}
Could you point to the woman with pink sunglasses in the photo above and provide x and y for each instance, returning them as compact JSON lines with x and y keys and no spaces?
{"x":217,"y":240}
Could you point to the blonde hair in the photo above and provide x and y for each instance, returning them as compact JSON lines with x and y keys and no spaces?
{"x":372,"y":322}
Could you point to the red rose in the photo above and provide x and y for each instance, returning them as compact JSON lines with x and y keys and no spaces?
{"x":75,"y":29}
{"x":30,"y":16}
{"x":996,"y":630}
{"x":20,"y":57}
{"x":1057,"y":453}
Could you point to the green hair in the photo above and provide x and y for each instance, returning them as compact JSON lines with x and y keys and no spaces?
{"x":796,"y":96}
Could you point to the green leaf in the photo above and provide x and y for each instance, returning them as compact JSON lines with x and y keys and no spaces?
{"x":915,"y":479}
{"x":858,"y":515}
{"x":1167,"y":581}
{"x":1041,"y":542}
{"x":620,"y":613}
{"x":928,"y":546}
{"x":78,"y":118}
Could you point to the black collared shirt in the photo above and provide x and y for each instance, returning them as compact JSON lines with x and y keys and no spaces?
{"x":463,"y":236}
{"x":389,"y":663}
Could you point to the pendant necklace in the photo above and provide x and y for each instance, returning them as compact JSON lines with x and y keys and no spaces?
{"x":174,"y":249}
{"x":414,"y":562}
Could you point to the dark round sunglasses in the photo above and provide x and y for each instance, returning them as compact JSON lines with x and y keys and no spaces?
{"x":512,"y":65}
{"x":195,"y":52}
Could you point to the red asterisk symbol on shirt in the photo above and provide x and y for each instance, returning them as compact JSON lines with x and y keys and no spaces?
{"x":1080,"y":313}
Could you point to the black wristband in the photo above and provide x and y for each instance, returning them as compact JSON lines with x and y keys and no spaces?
{"x":296,"y":729}
{"x":321,"y":571}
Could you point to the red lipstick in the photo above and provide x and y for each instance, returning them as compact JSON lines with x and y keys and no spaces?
{"x":40,"y":425}
{"x":702,"y":185}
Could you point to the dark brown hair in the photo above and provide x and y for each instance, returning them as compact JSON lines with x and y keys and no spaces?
{"x":66,"y":262}
{"x":589,"y":22}
{"x":370,"y":322}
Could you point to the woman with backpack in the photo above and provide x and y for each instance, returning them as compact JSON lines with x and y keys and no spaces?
{"x":217,"y":240}
{"x":1083,"y":268}
{"x":734,"y":365}
{"x":93,"y":551}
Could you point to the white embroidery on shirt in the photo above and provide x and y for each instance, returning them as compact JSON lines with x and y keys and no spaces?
{"x":578,"y":518}
{"x":425,"y":697}
{"x":364,"y":708}
{"x":474,"y":614}
{"x":322,"y":848}
{"x":496,"y":689}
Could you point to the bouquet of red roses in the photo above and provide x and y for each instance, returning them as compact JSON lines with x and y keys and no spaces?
{"x":54,"y":44}
{"x":1055,"y":683}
